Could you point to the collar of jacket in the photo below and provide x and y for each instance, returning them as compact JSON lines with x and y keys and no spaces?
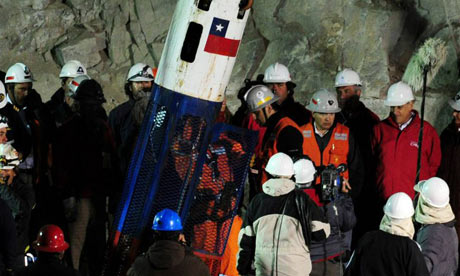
{"x":453,"y":127}
{"x":415,"y":121}
{"x":278,"y":186}
{"x":352,"y":110}
{"x":166,"y":254}
{"x":287,"y":102}
{"x":274,"y":119}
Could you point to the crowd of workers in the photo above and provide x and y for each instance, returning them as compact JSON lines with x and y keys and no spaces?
{"x":332,"y":188}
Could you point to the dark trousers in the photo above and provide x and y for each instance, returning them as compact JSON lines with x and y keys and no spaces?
{"x":327,"y":268}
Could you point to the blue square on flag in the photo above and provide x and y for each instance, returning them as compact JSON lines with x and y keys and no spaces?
{"x":217,"y":43}
{"x":219,"y":27}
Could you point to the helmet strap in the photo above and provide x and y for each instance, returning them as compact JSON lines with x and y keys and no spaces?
{"x":265,"y":114}
{"x":13,"y":95}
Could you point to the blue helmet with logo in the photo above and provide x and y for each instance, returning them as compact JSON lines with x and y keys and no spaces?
{"x":167,"y":220}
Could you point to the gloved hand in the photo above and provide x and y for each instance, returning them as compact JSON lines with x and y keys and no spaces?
{"x":70,"y":209}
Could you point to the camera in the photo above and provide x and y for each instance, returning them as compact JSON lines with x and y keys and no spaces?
{"x":331,"y":182}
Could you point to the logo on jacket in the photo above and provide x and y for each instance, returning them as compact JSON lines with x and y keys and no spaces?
{"x":413,"y":144}
{"x":306,"y":133}
{"x":340,"y":136}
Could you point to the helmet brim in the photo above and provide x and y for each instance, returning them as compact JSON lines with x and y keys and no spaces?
{"x":313,"y":109}
{"x":395,"y":103}
{"x":272,"y":100}
{"x":141,"y":79}
{"x":56,"y":249}
{"x":348,"y":84}
{"x":276,"y":80}
{"x":455,"y":106}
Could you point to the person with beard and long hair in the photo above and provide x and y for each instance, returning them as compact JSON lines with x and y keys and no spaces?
{"x":360,"y":120}
{"x":139,"y":82}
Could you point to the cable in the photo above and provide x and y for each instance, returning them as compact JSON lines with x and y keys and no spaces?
{"x":279,"y":233}
{"x":336,"y":212}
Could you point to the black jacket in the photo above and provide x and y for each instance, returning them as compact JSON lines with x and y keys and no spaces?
{"x":168,"y":258}
{"x":58,"y":110}
{"x":368,"y":206}
{"x":361,"y":121}
{"x":123,"y":128}
{"x":449,"y":170}
{"x":20,"y":198}
{"x":382,"y":254}
{"x":8,"y":246}
{"x":47,"y":265}
{"x":294,"y":110}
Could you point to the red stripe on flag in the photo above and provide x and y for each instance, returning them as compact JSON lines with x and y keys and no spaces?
{"x":221,"y":46}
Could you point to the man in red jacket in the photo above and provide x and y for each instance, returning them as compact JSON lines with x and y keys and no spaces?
{"x":395,"y":145}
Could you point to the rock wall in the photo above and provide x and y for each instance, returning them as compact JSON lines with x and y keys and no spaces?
{"x":314,"y":38}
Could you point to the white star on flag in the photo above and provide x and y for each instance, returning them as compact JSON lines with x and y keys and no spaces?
{"x":219,"y":27}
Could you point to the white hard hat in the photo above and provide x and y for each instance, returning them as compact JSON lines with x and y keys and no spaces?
{"x":18,"y":73}
{"x":347,"y":77}
{"x":434,"y":191}
{"x":455,"y":102}
{"x":304,"y":171}
{"x":72,"y":69}
{"x":3,"y":99}
{"x":140,"y":72}
{"x":324,"y":101}
{"x":399,"y":206}
{"x":276,"y":73}
{"x":258,"y":97}
{"x":280,"y":164}
{"x":399,"y":94}
{"x":75,"y":83}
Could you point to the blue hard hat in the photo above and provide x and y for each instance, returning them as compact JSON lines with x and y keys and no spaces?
{"x":167,"y":220}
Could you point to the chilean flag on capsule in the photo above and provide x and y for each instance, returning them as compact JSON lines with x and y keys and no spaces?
{"x":217,"y":43}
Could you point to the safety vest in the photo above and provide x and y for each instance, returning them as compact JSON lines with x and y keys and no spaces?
{"x":336,"y":151}
{"x":270,"y":147}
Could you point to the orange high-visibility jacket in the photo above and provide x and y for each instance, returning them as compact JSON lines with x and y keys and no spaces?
{"x":270,"y":147}
{"x":335,"y":153}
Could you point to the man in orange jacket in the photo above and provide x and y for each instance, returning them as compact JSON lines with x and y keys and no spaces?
{"x":327,"y":142}
{"x":282,"y":134}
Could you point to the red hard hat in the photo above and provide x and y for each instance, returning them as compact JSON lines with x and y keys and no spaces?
{"x":50,"y":239}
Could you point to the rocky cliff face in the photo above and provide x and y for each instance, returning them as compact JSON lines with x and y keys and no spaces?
{"x":314,"y":38}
